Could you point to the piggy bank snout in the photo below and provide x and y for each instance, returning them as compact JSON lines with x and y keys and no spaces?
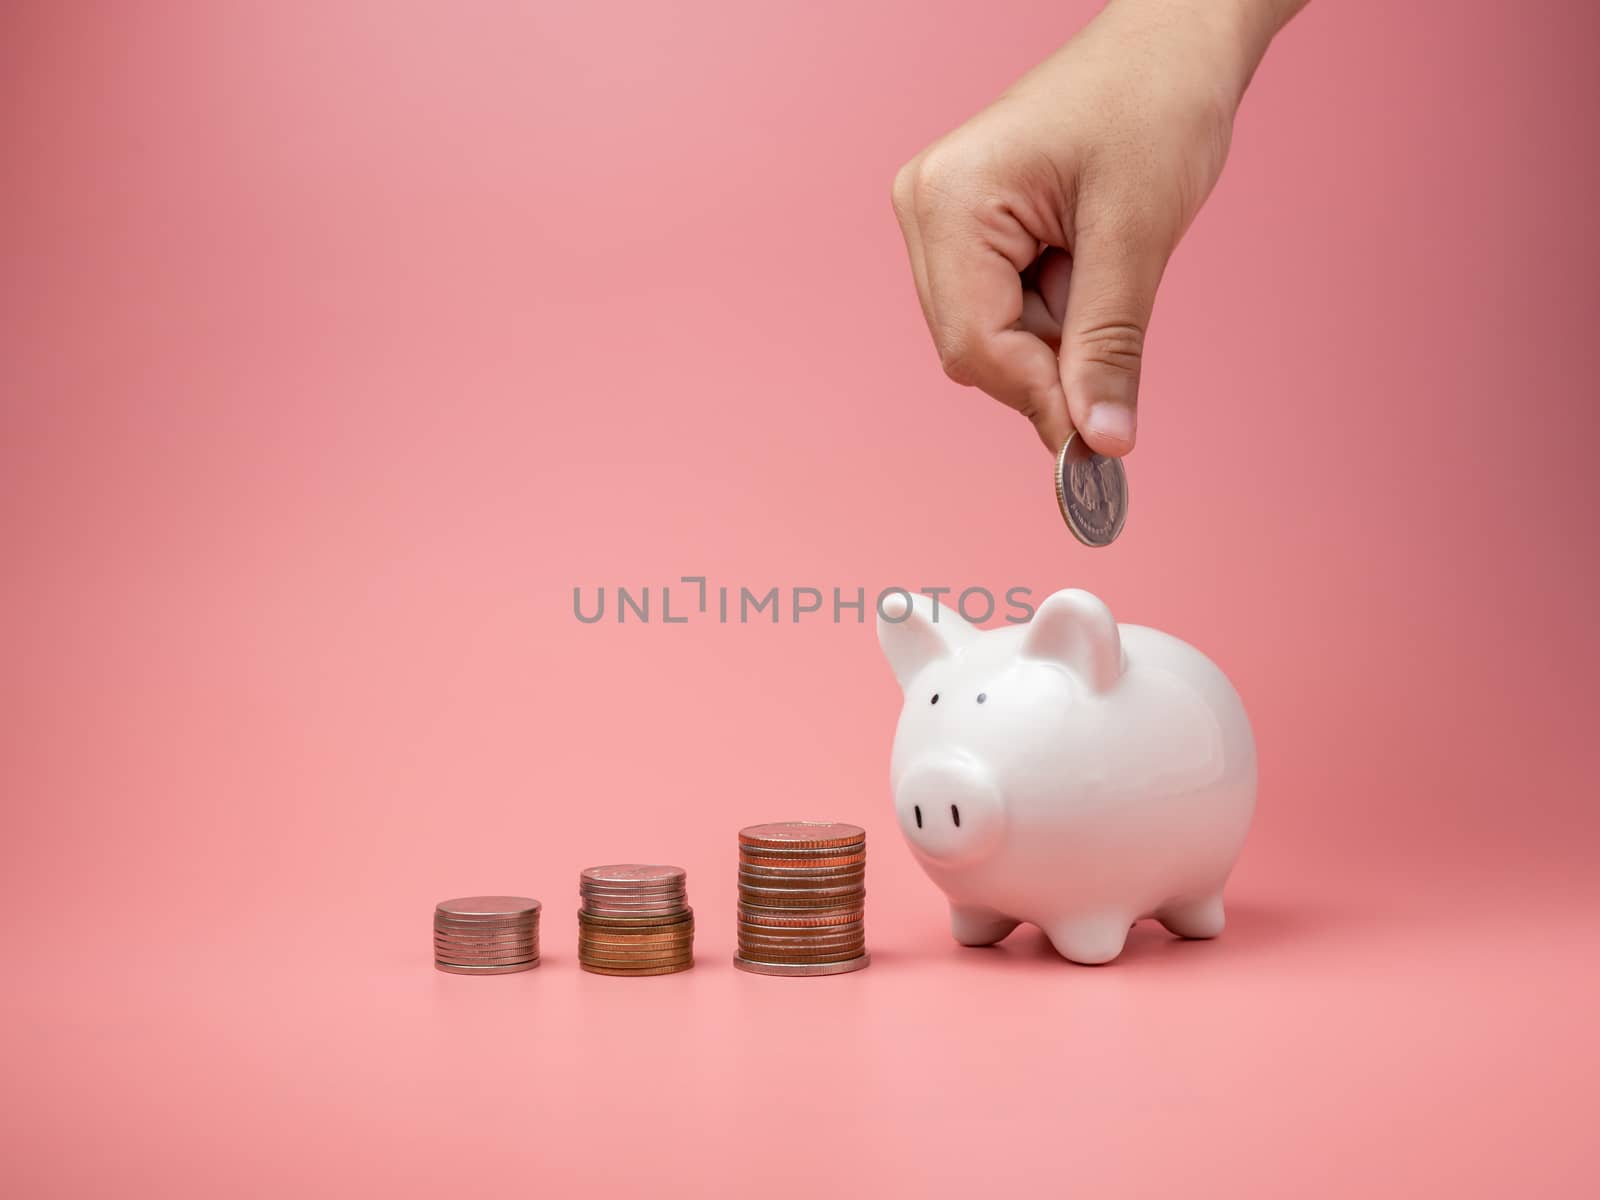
{"x":950,"y":809}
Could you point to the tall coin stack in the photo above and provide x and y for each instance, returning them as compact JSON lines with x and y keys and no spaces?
{"x":486,"y":935}
{"x":635,"y":920}
{"x":802,"y":897}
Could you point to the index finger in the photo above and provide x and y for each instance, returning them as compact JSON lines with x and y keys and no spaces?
{"x":975,"y":287}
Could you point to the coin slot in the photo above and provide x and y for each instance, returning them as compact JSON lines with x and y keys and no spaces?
{"x":917,"y":810}
{"x":955,"y":815}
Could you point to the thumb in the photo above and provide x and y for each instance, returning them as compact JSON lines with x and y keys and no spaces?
{"x":1114,"y":281}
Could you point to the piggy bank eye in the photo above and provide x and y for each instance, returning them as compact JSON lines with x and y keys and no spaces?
{"x":982,"y":696}
{"x":935,"y":699}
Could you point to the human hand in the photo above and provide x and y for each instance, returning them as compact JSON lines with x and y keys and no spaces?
{"x":1038,"y":231}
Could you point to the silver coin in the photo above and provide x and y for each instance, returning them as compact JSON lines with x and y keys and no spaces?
{"x":485,"y":943}
{"x":813,"y":876}
{"x":804,"y":851}
{"x":1092,"y":491}
{"x":486,"y":956}
{"x":792,"y":874}
{"x":488,"y":906}
{"x":756,"y":967}
{"x":484,"y":947}
{"x":456,"y":969}
{"x":590,"y":898}
{"x":634,"y":873}
{"x":796,"y":933}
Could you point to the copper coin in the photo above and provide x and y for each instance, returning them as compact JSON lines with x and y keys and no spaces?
{"x":653,"y":954}
{"x":798,"y":960}
{"x":799,"y":918}
{"x":595,"y":969}
{"x":833,"y":860}
{"x":770,"y":953}
{"x":801,"y":969}
{"x":610,"y":937}
{"x":664,"y":946}
{"x":453,"y":969}
{"x":634,"y":964}
{"x":619,"y":959}
{"x":778,"y":928}
{"x":802,"y":945}
{"x":763,"y":954}
{"x":596,"y":921}
{"x":794,"y":935}
{"x":802,"y":834}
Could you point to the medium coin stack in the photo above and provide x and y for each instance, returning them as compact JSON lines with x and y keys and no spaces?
{"x":486,"y":935}
{"x":802,"y":896}
{"x":635,"y":920}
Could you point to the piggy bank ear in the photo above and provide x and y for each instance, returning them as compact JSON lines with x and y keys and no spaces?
{"x":1077,"y":631}
{"x":910,"y":636}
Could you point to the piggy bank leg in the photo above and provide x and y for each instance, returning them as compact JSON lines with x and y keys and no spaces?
{"x":1194,"y":919}
{"x":973,"y":926}
{"x":1089,"y":940}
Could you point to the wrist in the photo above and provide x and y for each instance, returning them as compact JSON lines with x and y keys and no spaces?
{"x":1249,"y":26}
{"x":1232,"y":35}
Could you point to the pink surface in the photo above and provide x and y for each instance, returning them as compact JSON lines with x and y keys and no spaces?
{"x":339,"y":343}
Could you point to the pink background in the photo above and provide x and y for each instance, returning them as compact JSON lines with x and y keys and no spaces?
{"x":338,"y":343}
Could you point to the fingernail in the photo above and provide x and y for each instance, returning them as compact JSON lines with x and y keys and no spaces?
{"x":1114,"y":422}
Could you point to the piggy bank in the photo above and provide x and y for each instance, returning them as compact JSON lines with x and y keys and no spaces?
{"x":1071,"y":772}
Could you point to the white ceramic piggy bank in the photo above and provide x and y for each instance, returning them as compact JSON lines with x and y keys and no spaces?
{"x":1068,"y":772}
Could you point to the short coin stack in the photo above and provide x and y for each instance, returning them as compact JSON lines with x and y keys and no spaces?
{"x":486,"y":935}
{"x":635,"y":920}
{"x":802,"y":892}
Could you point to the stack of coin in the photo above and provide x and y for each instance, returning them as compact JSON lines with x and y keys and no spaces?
{"x":486,"y":935}
{"x":802,"y":892}
{"x":635,"y":920}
